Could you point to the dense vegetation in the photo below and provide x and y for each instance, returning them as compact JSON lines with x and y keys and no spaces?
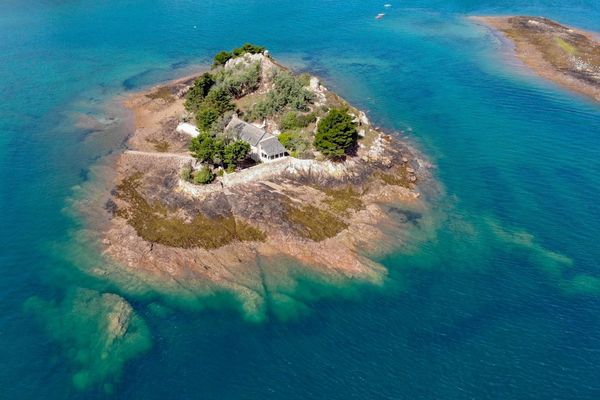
{"x":289,"y":91}
{"x":198,"y":92}
{"x":295,"y":142}
{"x":211,"y":97}
{"x":223,"y":56}
{"x":336,"y":134}
{"x":294,"y":120}
{"x":218,"y":152}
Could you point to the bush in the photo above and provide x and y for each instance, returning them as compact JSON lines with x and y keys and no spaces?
{"x":293,"y":120}
{"x":221,"y":58}
{"x":289,"y":121}
{"x":294,"y":142}
{"x":186,"y":173}
{"x":204,"y":176}
{"x":336,"y":134}
{"x":195,"y":96}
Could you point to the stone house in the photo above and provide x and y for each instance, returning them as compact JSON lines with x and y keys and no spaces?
{"x":264,"y":146}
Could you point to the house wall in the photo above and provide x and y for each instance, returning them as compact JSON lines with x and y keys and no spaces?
{"x":254,"y":154}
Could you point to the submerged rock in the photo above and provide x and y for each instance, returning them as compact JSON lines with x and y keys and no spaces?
{"x":101,"y":331}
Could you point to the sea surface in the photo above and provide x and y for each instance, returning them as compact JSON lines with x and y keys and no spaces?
{"x":496,"y":295}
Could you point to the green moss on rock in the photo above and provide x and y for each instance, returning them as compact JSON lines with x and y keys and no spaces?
{"x":154,"y":224}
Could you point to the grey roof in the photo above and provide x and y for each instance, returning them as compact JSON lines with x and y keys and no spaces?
{"x":245,"y":131}
{"x":271,"y":146}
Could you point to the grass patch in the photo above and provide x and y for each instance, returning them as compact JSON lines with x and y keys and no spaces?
{"x":342,"y":200}
{"x":313,"y":223}
{"x":153,"y":223}
{"x":566,"y":46}
{"x":162,"y":146}
{"x":163,"y":93}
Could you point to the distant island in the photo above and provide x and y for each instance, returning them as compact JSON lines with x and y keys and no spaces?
{"x":567,"y":56}
{"x":250,"y":162}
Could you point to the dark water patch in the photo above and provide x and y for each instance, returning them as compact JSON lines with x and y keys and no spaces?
{"x":406,"y":216}
{"x":144,"y":79}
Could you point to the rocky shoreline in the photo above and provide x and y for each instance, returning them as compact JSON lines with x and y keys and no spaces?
{"x":327,"y":218}
{"x":567,"y":56}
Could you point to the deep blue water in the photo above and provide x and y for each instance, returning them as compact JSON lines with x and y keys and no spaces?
{"x":498,"y":298}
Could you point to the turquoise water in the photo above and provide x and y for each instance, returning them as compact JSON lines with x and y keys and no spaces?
{"x":500,"y":299}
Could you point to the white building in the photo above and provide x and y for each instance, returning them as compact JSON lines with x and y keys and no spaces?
{"x":188,"y":129}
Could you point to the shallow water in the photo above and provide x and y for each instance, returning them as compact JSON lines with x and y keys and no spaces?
{"x":496,"y":295}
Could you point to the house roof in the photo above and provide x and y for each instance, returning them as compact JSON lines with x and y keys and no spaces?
{"x":253,"y":135}
{"x":271,"y":146}
{"x":245,"y":131}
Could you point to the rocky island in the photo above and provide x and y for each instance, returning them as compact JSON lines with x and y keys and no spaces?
{"x":567,"y":56}
{"x":235,"y":179}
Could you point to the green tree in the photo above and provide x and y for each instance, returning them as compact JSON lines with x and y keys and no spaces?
{"x":202,"y":147}
{"x":218,"y":155}
{"x":219,"y":99}
{"x":198,"y":92}
{"x":206,"y":118}
{"x":221,"y":58}
{"x":236,"y":152}
{"x":336,"y":134}
{"x":248,"y":48}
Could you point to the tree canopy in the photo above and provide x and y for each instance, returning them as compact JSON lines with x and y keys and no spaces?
{"x":288,"y":91}
{"x":336,"y":134}
{"x":223,"y":56}
{"x":236,"y":152}
{"x":208,"y":149}
{"x":195,"y":96}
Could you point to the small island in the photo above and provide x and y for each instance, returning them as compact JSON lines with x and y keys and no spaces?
{"x":250,"y":162}
{"x":567,"y":56}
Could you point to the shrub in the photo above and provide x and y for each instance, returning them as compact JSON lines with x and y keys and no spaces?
{"x":221,"y":58}
{"x":198,"y":92}
{"x":305,"y":120}
{"x":186,"y":172}
{"x":304,"y":79}
{"x":289,"y":121}
{"x":336,"y":134}
{"x":204,"y":176}
{"x":294,"y":142}
{"x":293,"y":120}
